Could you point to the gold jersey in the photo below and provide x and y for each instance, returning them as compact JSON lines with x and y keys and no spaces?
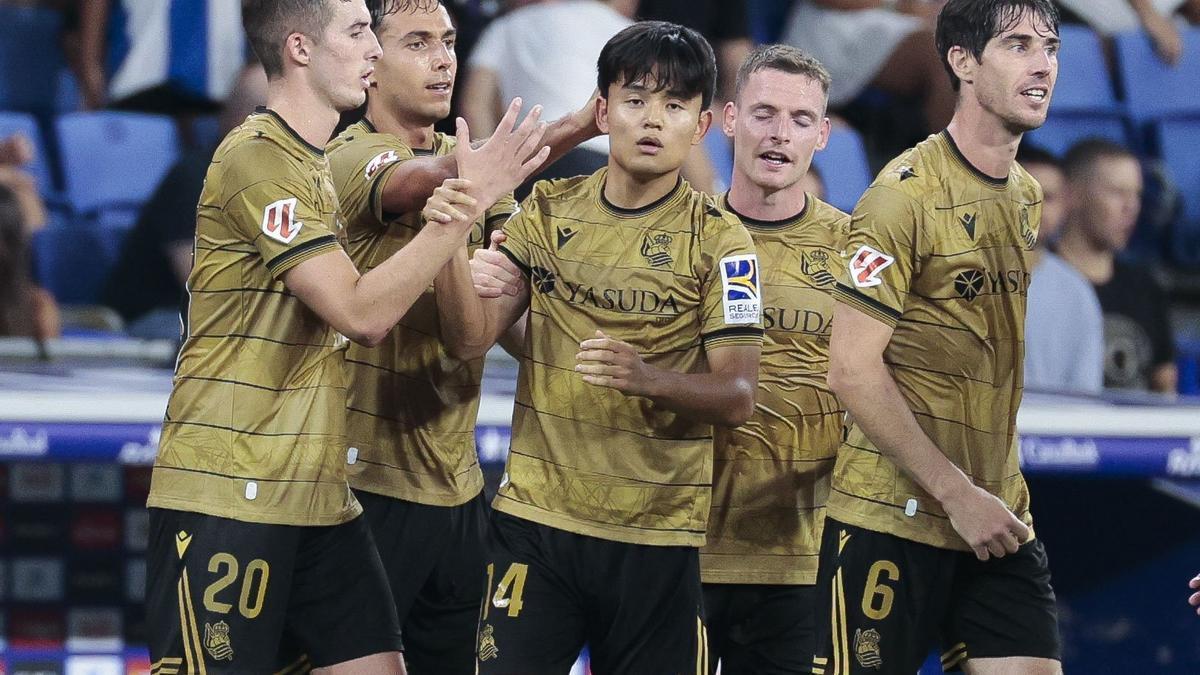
{"x":255,"y":426}
{"x":771,"y":475}
{"x":940,"y":252}
{"x":673,"y":279}
{"x":411,"y":407}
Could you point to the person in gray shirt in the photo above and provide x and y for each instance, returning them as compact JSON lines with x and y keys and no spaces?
{"x":1064,"y":327}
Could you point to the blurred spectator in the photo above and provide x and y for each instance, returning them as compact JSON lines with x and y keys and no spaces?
{"x":15,"y":152}
{"x":146,"y":286}
{"x":1064,"y":326}
{"x":726,"y":25}
{"x":545,"y":52}
{"x":1156,"y":17}
{"x":25,"y":309}
{"x":161,"y":56}
{"x":1104,"y":189}
{"x":886,"y":44}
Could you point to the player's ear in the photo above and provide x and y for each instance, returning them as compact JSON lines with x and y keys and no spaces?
{"x":602,"y":114}
{"x":962,"y":63}
{"x":823,"y":134}
{"x":729,"y":118}
{"x":297,"y":48}
{"x":702,"y":126}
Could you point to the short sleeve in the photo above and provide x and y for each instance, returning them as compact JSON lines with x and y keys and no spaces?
{"x":360,"y":169}
{"x":498,"y":214}
{"x":281,"y":218}
{"x":520,"y":230}
{"x":881,"y":254}
{"x":730,"y":284}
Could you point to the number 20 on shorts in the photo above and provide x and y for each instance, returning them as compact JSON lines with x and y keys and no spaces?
{"x":508,"y":594}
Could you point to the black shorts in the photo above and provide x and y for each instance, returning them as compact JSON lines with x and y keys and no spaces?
{"x":238,"y":597}
{"x":886,"y":601}
{"x":434,"y":557}
{"x":637,"y":607}
{"x":758,"y":629}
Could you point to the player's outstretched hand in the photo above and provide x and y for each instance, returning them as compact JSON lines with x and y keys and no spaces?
{"x":506,"y":159}
{"x":1194,"y":600}
{"x":606,"y":362}
{"x":451,"y":205}
{"x":493,"y":273}
{"x":985,"y":523}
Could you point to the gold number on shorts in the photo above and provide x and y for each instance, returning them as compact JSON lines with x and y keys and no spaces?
{"x":230,"y":576}
{"x":487,"y":592}
{"x":256,"y":567}
{"x":514,"y":578}
{"x":877,"y":588}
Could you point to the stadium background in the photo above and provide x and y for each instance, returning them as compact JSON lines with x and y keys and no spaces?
{"x":1113,"y":479}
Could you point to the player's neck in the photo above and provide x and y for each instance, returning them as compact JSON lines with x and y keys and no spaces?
{"x":627,"y":191}
{"x":983,"y":140}
{"x":303,"y":110}
{"x":414,"y":134}
{"x":1092,"y":261}
{"x":761,"y":203}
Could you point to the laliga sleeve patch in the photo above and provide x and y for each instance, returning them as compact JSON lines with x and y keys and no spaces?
{"x":381,"y":160}
{"x":741,"y":294}
{"x":865,"y":266}
{"x":279,"y":220}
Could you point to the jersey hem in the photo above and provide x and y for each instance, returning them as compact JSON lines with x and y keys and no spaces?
{"x":598,"y":530}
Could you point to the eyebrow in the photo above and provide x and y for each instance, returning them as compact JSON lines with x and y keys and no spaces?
{"x":1026,"y":38}
{"x":359,"y":25}
{"x":799,"y":112}
{"x":427,"y":35}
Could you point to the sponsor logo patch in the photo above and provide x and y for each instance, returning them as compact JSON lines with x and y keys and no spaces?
{"x":279,"y":220}
{"x":381,"y":160}
{"x":742,"y":293}
{"x":866,"y":264}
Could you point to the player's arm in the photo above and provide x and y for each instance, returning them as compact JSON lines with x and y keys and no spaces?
{"x":364,"y":307}
{"x":723,"y":395}
{"x":467,"y":325}
{"x":411,"y":183}
{"x":862,"y":382}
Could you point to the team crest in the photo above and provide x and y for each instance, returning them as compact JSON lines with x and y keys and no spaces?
{"x":657,"y":251}
{"x":866,"y":648}
{"x":487,"y":644}
{"x":743,"y":296}
{"x":1027,"y":233}
{"x":279,"y":220}
{"x":216,"y":641}
{"x":866,"y":264}
{"x":816,"y":265}
{"x":381,"y":160}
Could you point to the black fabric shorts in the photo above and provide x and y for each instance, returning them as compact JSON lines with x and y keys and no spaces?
{"x":884,"y":602}
{"x":434,"y":558}
{"x":637,"y":607}
{"x":756,"y":629}
{"x":226,"y":596}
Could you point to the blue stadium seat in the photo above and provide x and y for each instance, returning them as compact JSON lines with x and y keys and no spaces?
{"x":114,"y":160}
{"x":1154,"y":90}
{"x":1060,"y":132}
{"x":26,"y":125}
{"x":29,"y":58}
{"x":73,"y":260}
{"x":1083,"y":84}
{"x":843,"y":166}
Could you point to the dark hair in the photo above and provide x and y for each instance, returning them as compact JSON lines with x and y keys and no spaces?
{"x":16,"y":310}
{"x":382,"y":8}
{"x":1082,"y":156}
{"x":678,"y":58}
{"x":1031,"y":153}
{"x":970,"y":24}
{"x":269,"y":22}
{"x":784,"y":58}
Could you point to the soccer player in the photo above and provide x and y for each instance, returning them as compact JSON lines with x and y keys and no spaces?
{"x":644,"y":331}
{"x":255,"y":537}
{"x":771,"y":475}
{"x":928,"y":532}
{"x":413,"y":399}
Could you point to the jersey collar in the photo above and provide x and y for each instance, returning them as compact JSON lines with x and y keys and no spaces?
{"x":769,"y":225}
{"x":291,"y":132}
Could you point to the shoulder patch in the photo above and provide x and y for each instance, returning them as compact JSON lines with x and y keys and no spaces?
{"x":866,"y":264}
{"x":381,"y":160}
{"x":279,"y":220}
{"x":742,"y":295}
